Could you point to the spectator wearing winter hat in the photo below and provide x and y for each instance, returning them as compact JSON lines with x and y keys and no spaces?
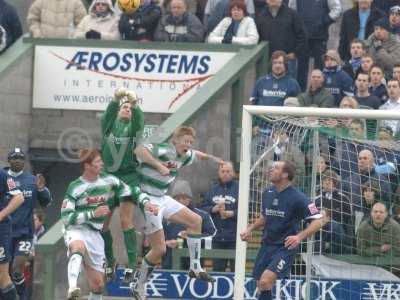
{"x":221,"y":201}
{"x":55,"y":18}
{"x":10,"y":26}
{"x":179,"y":25}
{"x":142,"y":23}
{"x":176,"y":233}
{"x":385,"y":5}
{"x":357,"y":22}
{"x":236,"y":29}
{"x":337,"y":81}
{"x":383,"y":46}
{"x":100,"y":23}
{"x":394,"y":20}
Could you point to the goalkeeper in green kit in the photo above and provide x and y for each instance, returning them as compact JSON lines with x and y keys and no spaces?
{"x":122,"y":126}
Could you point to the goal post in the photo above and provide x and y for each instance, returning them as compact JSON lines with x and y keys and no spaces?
{"x":304,"y":130}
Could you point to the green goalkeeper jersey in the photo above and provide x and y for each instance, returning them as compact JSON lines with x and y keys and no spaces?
{"x":120,"y":139}
{"x":83,"y":197}
{"x":152,"y":182}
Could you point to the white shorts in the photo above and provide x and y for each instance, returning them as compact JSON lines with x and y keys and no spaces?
{"x":94,"y":256}
{"x":150,"y":223}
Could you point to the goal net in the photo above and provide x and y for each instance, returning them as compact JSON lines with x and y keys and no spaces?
{"x":346,"y":161}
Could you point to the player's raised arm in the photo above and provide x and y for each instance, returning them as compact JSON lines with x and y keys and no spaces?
{"x":206,"y":156}
{"x":144,"y":155}
{"x":43,"y":193}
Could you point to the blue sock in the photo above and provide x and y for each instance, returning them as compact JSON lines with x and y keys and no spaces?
{"x":8,"y":293}
{"x":265,"y":295}
{"x":19,"y":282}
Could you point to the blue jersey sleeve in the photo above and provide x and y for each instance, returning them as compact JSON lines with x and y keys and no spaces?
{"x":347,"y":85}
{"x":255,"y":97}
{"x":307,"y":209}
{"x":294,"y":90}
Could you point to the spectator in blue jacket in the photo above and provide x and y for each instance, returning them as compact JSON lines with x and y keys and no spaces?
{"x":10,"y":26}
{"x":142,"y":23}
{"x":221,"y":201}
{"x":317,"y":16}
{"x":337,"y":81}
{"x":377,"y":85}
{"x":175,"y":234}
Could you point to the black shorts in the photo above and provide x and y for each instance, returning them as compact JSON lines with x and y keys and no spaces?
{"x":275,"y":258}
{"x":22,"y":245}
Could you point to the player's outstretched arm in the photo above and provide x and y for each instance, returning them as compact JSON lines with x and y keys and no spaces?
{"x":258,"y":224}
{"x":144,"y":155}
{"x":205,"y":156}
{"x":13,"y":204}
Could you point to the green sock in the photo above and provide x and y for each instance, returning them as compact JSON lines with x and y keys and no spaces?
{"x":130,"y":245}
{"x":108,"y":247}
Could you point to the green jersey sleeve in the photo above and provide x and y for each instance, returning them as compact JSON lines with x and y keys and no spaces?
{"x":70,"y":216}
{"x":137,"y":121}
{"x":190,"y":157}
{"x":109,"y":116}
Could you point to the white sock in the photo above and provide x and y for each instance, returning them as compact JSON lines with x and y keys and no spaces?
{"x":145,"y":271}
{"x":74,"y":267}
{"x":194,"y":245}
{"x":93,"y":296}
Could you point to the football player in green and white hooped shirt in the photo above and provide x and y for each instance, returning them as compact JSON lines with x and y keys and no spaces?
{"x":122,"y":126}
{"x":84,"y":211}
{"x":159,"y":164}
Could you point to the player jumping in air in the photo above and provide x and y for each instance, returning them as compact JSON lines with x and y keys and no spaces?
{"x":33,"y":188}
{"x":283,"y":207}
{"x":122,"y":126}
{"x":84,"y":211}
{"x":159,"y":165}
{"x":10,"y":199}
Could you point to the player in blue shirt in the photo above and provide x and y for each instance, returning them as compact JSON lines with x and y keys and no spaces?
{"x":10,"y":199}
{"x":33,"y":188}
{"x":283,"y":207}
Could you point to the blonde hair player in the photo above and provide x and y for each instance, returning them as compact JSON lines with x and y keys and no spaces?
{"x":159,"y":165}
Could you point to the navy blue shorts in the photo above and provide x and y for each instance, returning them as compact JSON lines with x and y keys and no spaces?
{"x":5,"y":243}
{"x":277,"y":259}
{"x":21,"y":246}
